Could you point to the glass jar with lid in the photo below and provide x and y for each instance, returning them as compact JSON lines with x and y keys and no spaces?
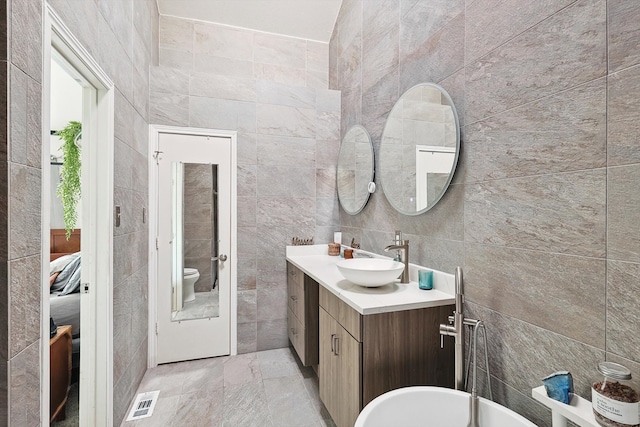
{"x":615,"y":402}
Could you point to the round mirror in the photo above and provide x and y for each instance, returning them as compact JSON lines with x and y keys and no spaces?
{"x":419,"y":149}
{"x":355,"y":169}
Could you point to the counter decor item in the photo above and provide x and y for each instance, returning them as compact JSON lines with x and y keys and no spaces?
{"x":425,"y":279}
{"x":296,"y":241}
{"x":348,"y":253}
{"x":615,"y":402}
{"x":334,"y":249}
{"x":559,"y":386}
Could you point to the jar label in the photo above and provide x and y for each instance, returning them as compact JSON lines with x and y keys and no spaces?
{"x":614,"y":410}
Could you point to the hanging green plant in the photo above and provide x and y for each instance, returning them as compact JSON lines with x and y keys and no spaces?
{"x":69,"y":187}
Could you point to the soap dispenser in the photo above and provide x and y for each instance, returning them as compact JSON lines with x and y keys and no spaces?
{"x":398,"y":241}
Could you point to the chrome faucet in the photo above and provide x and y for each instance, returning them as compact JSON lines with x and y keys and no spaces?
{"x":457,"y":331}
{"x":403,"y":247}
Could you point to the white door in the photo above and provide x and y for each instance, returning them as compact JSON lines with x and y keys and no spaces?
{"x":194,"y":232}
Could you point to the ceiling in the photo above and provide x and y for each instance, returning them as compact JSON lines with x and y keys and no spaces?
{"x":306,"y":19}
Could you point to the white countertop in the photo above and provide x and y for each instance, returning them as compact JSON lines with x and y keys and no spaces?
{"x":316,"y":263}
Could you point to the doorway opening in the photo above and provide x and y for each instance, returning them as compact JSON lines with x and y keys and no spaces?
{"x":89,"y":241}
{"x":65,"y":228}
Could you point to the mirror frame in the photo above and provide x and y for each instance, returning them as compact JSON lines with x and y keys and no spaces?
{"x":372,"y":175}
{"x":449,"y":102}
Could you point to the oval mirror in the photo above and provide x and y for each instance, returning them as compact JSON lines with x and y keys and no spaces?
{"x":419,"y":149}
{"x":355,"y":169}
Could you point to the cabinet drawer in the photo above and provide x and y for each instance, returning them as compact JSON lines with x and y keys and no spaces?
{"x":296,"y":335}
{"x":349,"y":318}
{"x":296,"y":292}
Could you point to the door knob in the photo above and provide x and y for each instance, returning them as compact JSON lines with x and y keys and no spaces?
{"x":222,"y":257}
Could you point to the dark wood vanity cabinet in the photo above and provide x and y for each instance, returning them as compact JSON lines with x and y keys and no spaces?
{"x":364,"y":356}
{"x":302,"y":319}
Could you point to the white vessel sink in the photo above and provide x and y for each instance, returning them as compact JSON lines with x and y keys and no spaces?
{"x":370,"y":272}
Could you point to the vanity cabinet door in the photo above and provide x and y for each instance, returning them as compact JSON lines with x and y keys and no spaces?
{"x":339,"y":371}
{"x":302,"y":314}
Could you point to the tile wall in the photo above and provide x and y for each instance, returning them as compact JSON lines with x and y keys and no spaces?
{"x":122,"y":38}
{"x":544,"y":209}
{"x":273,"y":91}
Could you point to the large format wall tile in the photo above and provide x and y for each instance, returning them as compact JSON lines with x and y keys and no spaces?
{"x":225,"y":114}
{"x":287,"y":51}
{"x":24,"y":213}
{"x":420,"y":21}
{"x":24,"y":313}
{"x":18,"y":111}
{"x":119,"y":16}
{"x":272,"y":334}
{"x":439,"y":254}
{"x":269,"y":92}
{"x":491,"y":23}
{"x":168,"y":109}
{"x":563,"y":294}
{"x":26,"y":36}
{"x":624,"y":34}
{"x":349,"y":24}
{"x":24,"y":392}
{"x":438,"y":57}
{"x":291,"y":211}
{"x":521,"y":354}
{"x":562,"y":213}
{"x":286,"y":121}
{"x":623,"y":115}
{"x":286,"y":181}
{"x":520,"y":402}
{"x":556,"y":134}
{"x":279,"y":74}
{"x":222,"y":87}
{"x":224,"y":42}
{"x":623,"y":205}
{"x":623,"y":319}
{"x":563,"y":51}
{"x":176,"y":33}
{"x":380,"y":48}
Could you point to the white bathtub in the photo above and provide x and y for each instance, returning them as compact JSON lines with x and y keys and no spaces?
{"x":435,"y":407}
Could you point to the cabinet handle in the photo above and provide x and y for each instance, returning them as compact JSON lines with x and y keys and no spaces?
{"x":336,"y":346}
{"x":333,"y":338}
{"x":294,"y":298}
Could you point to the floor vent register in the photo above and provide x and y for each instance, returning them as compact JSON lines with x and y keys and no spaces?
{"x":143,"y":405}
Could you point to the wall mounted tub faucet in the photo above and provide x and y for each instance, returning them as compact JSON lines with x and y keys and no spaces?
{"x":404,"y":258}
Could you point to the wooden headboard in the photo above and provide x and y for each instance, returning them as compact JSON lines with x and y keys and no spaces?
{"x":59,"y":245}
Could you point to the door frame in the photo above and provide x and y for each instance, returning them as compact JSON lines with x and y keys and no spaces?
{"x":154,"y":136}
{"x":96,"y":362}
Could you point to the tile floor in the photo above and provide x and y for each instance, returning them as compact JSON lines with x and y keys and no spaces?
{"x":266,"y":389}
{"x":205,"y":305}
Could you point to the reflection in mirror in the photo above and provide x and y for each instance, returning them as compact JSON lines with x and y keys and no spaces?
{"x":355,"y":169}
{"x":419,"y":149}
{"x":194,"y":222}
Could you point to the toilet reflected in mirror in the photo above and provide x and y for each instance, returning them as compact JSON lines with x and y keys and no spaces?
{"x":189,"y":279}
{"x":194,"y":223}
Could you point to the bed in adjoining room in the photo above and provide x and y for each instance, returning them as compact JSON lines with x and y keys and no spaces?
{"x":64,"y":291}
